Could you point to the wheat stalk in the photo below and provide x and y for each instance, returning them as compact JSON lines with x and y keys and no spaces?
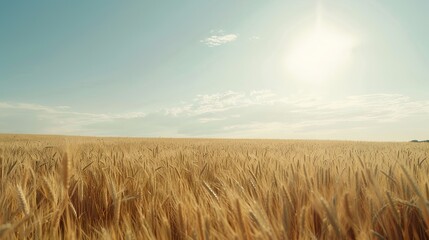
{"x":66,"y":171}
{"x":23,"y":201}
{"x":52,"y":195}
{"x":331,"y":217}
{"x":240,"y":219}
{"x":210,"y":190}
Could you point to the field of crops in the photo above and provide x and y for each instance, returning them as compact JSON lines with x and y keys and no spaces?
{"x":54,"y":187}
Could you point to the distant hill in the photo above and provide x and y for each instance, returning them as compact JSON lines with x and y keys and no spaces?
{"x":420,"y":141}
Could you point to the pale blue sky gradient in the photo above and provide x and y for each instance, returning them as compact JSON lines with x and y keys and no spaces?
{"x":210,"y":69}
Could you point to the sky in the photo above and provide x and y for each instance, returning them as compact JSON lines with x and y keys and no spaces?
{"x":321,"y":69}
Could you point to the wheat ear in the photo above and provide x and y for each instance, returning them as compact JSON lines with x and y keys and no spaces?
{"x":23,"y":201}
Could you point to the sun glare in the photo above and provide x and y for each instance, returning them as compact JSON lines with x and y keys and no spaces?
{"x":318,"y":54}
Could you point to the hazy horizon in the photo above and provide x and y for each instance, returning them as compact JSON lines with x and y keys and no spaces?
{"x":322,"y":69}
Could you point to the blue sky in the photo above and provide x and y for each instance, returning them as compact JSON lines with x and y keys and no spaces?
{"x":216,"y":69}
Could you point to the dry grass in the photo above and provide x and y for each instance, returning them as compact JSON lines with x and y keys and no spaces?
{"x":111,"y":188}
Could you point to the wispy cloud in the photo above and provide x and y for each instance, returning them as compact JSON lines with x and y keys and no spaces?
{"x":380,"y":107}
{"x":261,"y":113}
{"x":254,"y":38}
{"x":206,"y":120}
{"x":265,"y":114}
{"x":220,"y":102}
{"x":28,"y":117}
{"x":219,"y":38}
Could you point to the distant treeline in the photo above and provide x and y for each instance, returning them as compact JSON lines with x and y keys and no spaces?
{"x":419,"y":141}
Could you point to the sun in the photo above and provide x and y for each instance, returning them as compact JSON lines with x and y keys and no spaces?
{"x":319,"y":54}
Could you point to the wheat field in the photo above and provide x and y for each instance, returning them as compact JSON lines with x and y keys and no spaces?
{"x":55,"y":187}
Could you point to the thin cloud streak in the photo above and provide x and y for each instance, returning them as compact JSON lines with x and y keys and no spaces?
{"x":54,"y":120}
{"x":219,"y":38}
{"x":253,"y":114}
{"x":220,"y":102}
{"x":261,"y":113}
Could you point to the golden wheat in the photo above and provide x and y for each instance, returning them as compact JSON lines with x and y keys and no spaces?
{"x":23,"y":201}
{"x":54,"y":187}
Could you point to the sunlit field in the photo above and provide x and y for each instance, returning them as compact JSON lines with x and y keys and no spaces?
{"x":123,"y":188}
